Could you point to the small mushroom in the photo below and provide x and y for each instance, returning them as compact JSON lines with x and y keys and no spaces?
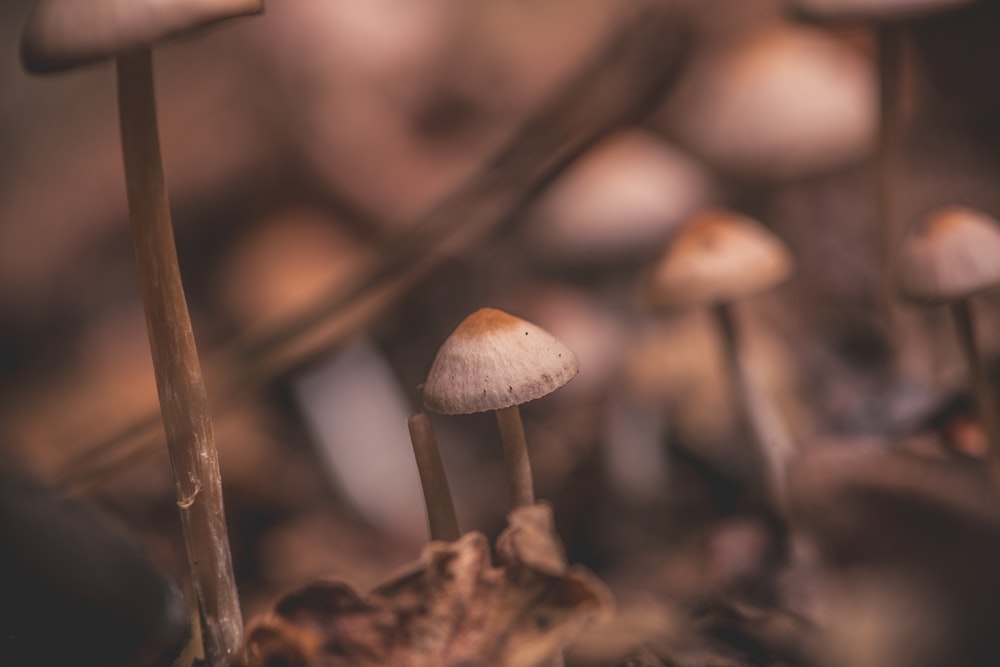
{"x":776,"y":104}
{"x":948,"y":257}
{"x":718,"y":258}
{"x":495,"y":361}
{"x":622,"y":196}
{"x":63,"y":34}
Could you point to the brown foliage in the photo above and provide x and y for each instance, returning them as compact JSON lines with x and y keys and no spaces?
{"x":451,"y":607}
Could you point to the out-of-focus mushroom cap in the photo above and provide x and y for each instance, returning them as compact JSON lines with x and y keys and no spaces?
{"x":63,"y":34}
{"x":493,"y":360}
{"x":778,"y":104}
{"x":626,"y":193}
{"x":719,"y":256}
{"x":869,"y":10}
{"x":951,"y":254}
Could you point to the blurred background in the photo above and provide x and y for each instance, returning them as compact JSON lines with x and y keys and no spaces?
{"x":299,"y":145}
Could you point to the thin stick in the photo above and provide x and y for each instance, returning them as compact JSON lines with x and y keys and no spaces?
{"x":183,"y":400}
{"x":986,"y":404}
{"x":515,"y":456}
{"x":437,"y":495}
{"x":771,"y":449}
{"x":889,"y":46}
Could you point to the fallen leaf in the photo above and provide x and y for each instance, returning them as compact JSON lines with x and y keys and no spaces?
{"x":452,"y":607}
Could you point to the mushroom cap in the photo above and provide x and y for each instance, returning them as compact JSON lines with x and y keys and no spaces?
{"x":63,"y":34}
{"x":718,"y":256}
{"x":626,"y":193}
{"x":869,"y":10}
{"x":778,"y":103}
{"x":951,"y":254}
{"x":493,"y":360}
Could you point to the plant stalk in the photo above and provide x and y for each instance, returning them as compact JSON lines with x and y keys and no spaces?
{"x":986,"y":403}
{"x":771,"y":444}
{"x":889,"y":48}
{"x":183,"y":399}
{"x":515,"y":456}
{"x":437,"y":495}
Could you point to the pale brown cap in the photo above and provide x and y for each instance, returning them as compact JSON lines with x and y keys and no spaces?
{"x":777,"y":103}
{"x":626,"y":193}
{"x":870,"y":10}
{"x":63,"y":34}
{"x":493,"y":360}
{"x":951,"y":254}
{"x":718,"y":256}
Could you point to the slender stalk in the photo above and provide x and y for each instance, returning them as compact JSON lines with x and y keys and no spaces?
{"x":889,"y":47}
{"x":515,"y":456}
{"x":771,"y":445}
{"x":183,"y":399}
{"x":437,"y":495}
{"x":986,"y":403}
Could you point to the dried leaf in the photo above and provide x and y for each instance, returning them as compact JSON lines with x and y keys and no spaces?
{"x":452,"y":607}
{"x":530,"y":539}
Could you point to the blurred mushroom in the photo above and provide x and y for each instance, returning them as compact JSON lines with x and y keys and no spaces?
{"x":780,"y":103}
{"x":286,"y":262}
{"x":495,"y":361}
{"x":625,"y":194}
{"x":948,"y":257}
{"x":61,"y":35}
{"x":718,"y":258}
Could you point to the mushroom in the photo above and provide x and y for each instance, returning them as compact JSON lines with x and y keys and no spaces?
{"x":495,"y":361}
{"x":63,"y":34}
{"x":948,"y":257}
{"x":720,"y":257}
{"x":778,"y":103}
{"x":622,"y":196}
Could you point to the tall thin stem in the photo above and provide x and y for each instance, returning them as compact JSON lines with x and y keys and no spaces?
{"x":183,"y":399}
{"x":771,"y":444}
{"x":889,"y":47}
{"x":986,"y":403}
{"x":515,"y":456}
{"x":437,"y":495}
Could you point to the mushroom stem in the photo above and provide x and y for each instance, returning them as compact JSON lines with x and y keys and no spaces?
{"x":437,"y":496}
{"x":770,"y":443}
{"x":889,"y":46}
{"x":515,"y":456}
{"x":986,"y":404}
{"x":183,"y":399}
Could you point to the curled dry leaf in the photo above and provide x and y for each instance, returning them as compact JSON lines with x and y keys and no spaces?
{"x":451,"y":607}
